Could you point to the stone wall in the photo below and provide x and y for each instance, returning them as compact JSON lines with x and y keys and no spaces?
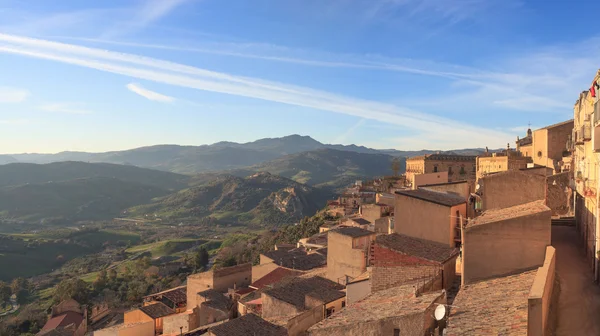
{"x":263,"y":269}
{"x":409,"y":220}
{"x":299,"y":324}
{"x":505,"y":246}
{"x":461,"y":188}
{"x":208,"y":315}
{"x":220,"y":280}
{"x":272,"y":307}
{"x":356,"y":291}
{"x":418,"y":180}
{"x":511,"y":188}
{"x":189,"y":320}
{"x":136,"y":315}
{"x":392,"y":269}
{"x":540,"y":296}
{"x":557,"y":199}
{"x":343,"y":259}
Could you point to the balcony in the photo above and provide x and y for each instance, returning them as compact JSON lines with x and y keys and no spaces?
{"x":586,"y":131}
{"x":579,"y":136}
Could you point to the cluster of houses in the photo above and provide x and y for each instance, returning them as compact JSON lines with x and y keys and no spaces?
{"x":468,"y":233}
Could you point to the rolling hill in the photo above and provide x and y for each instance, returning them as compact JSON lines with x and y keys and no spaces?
{"x":261,"y":199}
{"x":71,"y":191}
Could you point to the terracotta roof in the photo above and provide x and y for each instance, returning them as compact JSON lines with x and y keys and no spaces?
{"x":297,"y":259}
{"x":176,"y":295}
{"x":441,"y":184}
{"x":294,"y":292}
{"x":273,"y":277}
{"x":437,"y":197}
{"x":248,"y":324}
{"x":352,"y":231}
{"x":243,"y":291}
{"x":397,"y":301}
{"x":157,"y":310}
{"x":420,"y":248}
{"x":495,"y":215}
{"x":63,"y":320}
{"x":492,"y":307}
{"x":121,"y":326}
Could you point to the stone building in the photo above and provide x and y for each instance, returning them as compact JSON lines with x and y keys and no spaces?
{"x":459,"y":167}
{"x":398,"y":259}
{"x":418,"y":180}
{"x":584,"y":147}
{"x":219,"y":279}
{"x":372,"y":212}
{"x":507,"y":189}
{"x":348,"y":252}
{"x":395,"y":311}
{"x":246,"y":325}
{"x":174,"y":298}
{"x":301,"y":294}
{"x":66,"y":318}
{"x":513,"y":304}
{"x":181,"y":322}
{"x":213,"y":307}
{"x":525,"y":145}
{"x":501,"y":162}
{"x":152,"y":313}
{"x":504,"y":241}
{"x":441,"y":224}
{"x":128,"y":329}
{"x":550,"y":144}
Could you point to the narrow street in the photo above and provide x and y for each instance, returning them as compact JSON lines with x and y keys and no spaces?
{"x":579,"y":301}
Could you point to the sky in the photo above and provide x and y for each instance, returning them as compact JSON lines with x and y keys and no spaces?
{"x":403,"y":74}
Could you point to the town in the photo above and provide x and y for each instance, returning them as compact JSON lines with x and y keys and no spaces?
{"x":504,"y":243}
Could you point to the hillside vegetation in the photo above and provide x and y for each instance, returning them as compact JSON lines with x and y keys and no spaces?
{"x":259,"y":199}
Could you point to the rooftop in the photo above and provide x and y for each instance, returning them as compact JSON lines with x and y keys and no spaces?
{"x":364,"y":276}
{"x":442,"y":184}
{"x":443,"y":157}
{"x":157,"y":310}
{"x":360,"y":221}
{"x":351,"y":231}
{"x":297,"y":259}
{"x":121,"y":326}
{"x":437,"y":197}
{"x":176,"y":295}
{"x":397,"y":301}
{"x":492,"y":307}
{"x":294,"y":292}
{"x":570,"y":121}
{"x":248,"y":324}
{"x":326,"y":295}
{"x":215,"y":299}
{"x":420,"y":248}
{"x":496,"y":215}
{"x":63,"y":320}
{"x":273,"y":277}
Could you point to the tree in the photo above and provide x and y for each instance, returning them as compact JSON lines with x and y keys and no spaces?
{"x":5,"y":292}
{"x":112,"y":275}
{"x":201,"y":258}
{"x":101,"y":280}
{"x":74,"y":288}
{"x":18,"y":284}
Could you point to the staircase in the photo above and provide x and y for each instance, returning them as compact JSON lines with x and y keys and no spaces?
{"x":564,"y":221}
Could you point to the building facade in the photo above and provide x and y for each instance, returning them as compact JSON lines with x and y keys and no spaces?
{"x":459,"y":167}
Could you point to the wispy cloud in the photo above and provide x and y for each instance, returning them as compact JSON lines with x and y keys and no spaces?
{"x":435,"y":129}
{"x":68,"y":108}
{"x":148,"y":12}
{"x":349,"y":132}
{"x":150,"y":95}
{"x":12,"y":95}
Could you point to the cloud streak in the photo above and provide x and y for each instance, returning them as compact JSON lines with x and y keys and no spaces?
{"x":435,"y":129}
{"x":148,"y":94}
{"x":12,"y":95}
{"x":68,"y":108}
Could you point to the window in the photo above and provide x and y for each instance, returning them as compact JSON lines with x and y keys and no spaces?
{"x":343,"y":304}
{"x":539,"y":154}
{"x":329,"y":311}
{"x":435,"y":169}
{"x":396,"y":332}
{"x":449,"y":170}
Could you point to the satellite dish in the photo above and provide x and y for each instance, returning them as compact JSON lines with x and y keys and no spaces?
{"x":440,"y":312}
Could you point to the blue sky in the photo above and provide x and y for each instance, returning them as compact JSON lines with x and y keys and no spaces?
{"x":404,"y":74}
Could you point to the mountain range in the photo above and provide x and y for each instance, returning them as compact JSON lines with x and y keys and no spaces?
{"x":216,"y":157}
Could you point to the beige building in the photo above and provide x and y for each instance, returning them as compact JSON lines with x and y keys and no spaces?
{"x":441,"y":223}
{"x":525,"y":145}
{"x":128,"y":329}
{"x":418,"y":180}
{"x":505,"y":241}
{"x":500,"y":162}
{"x":398,"y":259}
{"x":372,"y":212}
{"x":550,"y":144}
{"x":507,"y":189}
{"x":395,"y":311}
{"x":459,"y":167}
{"x":348,"y":252}
{"x":584,"y":146}
{"x":152,"y":313}
{"x":219,"y":279}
